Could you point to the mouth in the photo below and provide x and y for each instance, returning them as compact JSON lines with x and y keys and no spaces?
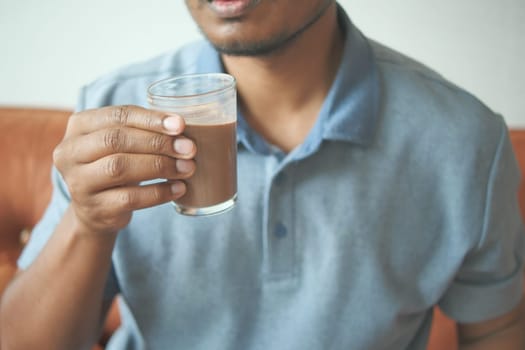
{"x":231,"y":8}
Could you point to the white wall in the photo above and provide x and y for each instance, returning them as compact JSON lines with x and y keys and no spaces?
{"x":50,"y":48}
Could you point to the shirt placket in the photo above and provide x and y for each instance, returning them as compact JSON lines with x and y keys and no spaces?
{"x":280,"y":256}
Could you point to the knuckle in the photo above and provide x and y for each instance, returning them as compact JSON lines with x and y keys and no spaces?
{"x":112,"y":139}
{"x":115,"y":166}
{"x":158,"y":194}
{"x":158,"y":164}
{"x":74,"y":190}
{"x":127,"y":200}
{"x":120,"y":114}
{"x":58,"y":155}
{"x":158,"y":143}
{"x":63,"y":155}
{"x":73,"y":120}
{"x":150,"y":122}
{"x":77,"y":186}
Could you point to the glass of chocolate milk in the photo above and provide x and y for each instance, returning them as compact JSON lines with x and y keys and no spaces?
{"x":208,"y":104}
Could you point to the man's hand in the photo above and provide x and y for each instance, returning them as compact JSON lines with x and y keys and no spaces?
{"x":107,"y":152}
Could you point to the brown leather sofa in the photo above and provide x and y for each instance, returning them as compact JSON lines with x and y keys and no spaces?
{"x":28,"y":138}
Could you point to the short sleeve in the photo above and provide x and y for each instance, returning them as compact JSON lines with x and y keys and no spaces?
{"x":489,"y":282}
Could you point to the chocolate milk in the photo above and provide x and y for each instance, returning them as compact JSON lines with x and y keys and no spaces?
{"x":215,"y":177}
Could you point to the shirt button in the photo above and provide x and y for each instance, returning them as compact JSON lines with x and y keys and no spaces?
{"x":280,"y":230}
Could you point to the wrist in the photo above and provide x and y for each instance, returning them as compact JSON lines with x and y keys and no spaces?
{"x":80,"y":230}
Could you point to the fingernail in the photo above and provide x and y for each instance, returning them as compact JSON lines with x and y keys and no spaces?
{"x":172,"y":123}
{"x":178,"y":188}
{"x":184,"y":166}
{"x":183,"y":146}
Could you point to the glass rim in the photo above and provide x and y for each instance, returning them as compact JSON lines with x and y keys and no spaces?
{"x":231,"y":83}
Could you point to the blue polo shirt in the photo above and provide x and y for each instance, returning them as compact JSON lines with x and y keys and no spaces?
{"x":402,"y":196}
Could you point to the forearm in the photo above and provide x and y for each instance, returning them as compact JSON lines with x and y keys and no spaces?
{"x":105,"y":156}
{"x":510,"y":336}
{"x":57,"y":302}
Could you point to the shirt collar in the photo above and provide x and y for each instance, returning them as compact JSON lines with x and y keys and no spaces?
{"x":350,"y":110}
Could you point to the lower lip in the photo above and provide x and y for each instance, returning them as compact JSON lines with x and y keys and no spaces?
{"x":231,"y":8}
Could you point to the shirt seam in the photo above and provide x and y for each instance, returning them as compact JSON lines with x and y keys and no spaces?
{"x":490,"y":187}
{"x":430,"y":76}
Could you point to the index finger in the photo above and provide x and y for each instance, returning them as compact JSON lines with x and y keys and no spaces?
{"x":91,"y":120}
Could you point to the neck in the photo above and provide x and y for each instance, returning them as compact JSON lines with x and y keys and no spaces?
{"x":288,"y":87}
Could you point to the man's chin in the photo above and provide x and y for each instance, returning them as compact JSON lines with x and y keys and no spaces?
{"x":250,"y":50}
